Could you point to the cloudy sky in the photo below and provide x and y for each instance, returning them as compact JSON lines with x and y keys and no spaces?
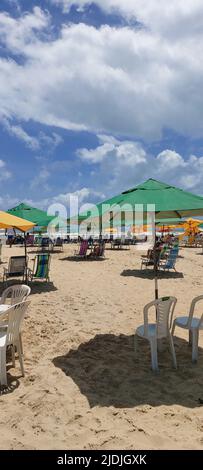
{"x":97,"y":97}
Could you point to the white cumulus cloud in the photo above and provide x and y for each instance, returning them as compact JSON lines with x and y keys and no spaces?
{"x":4,"y":173}
{"x":127,"y":163}
{"x":124,"y":81}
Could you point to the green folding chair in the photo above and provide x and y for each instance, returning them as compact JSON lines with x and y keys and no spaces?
{"x":41,"y":268}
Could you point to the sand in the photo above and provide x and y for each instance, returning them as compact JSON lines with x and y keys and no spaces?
{"x":84,"y":388}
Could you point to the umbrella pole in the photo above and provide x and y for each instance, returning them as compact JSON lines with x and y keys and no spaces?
{"x":156,"y":280}
{"x":25,"y":243}
{"x":156,"y":269}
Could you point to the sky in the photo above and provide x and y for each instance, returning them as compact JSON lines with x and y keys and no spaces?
{"x":97,"y":97}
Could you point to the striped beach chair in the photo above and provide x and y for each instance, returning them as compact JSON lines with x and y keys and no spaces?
{"x":41,"y":268}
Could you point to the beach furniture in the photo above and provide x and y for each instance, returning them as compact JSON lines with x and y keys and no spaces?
{"x":150,"y":259}
{"x":97,"y":251}
{"x":11,"y":296}
{"x":116,"y":243}
{"x":161,"y":328}
{"x":41,"y":268}
{"x":58,"y":244}
{"x":16,"y":267}
{"x":82,"y":250}
{"x":45,"y":244}
{"x":30,"y":240}
{"x":170,"y":261}
{"x":193,"y":325}
{"x":15,"y":294}
{"x":102,"y":250}
{"x":11,"y":336}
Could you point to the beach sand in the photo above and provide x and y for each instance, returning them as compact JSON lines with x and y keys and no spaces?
{"x":84,"y":388}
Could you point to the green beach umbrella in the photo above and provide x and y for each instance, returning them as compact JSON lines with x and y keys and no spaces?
{"x":37,"y":216}
{"x":169,"y":202}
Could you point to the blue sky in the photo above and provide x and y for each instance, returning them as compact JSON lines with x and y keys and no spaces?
{"x":96,"y":98}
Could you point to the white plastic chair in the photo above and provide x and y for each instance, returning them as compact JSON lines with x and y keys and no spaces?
{"x":163,"y":309}
{"x":16,"y":294}
{"x":193,"y":324}
{"x":11,"y":337}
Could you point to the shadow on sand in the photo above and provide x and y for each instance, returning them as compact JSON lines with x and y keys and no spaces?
{"x":13,"y":384}
{"x":78,"y":259}
{"x":149,"y":274}
{"x":37,"y":287}
{"x":108,"y":373}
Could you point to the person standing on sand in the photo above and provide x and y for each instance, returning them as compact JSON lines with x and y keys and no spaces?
{"x":10,"y":235}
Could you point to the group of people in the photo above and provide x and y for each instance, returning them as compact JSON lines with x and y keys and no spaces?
{"x":160,"y":243}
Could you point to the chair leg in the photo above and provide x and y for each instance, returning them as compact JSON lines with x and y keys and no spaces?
{"x":13,"y":354}
{"x":172,"y":350}
{"x":154,"y":357}
{"x":21,"y":343}
{"x":173,"y":328}
{"x":190,"y":338}
{"x":135,"y":344}
{"x":20,"y":356}
{"x":3,"y":376}
{"x":195,"y":339}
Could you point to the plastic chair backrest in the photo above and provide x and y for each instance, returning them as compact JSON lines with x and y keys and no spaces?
{"x":165,"y":308}
{"x":16,"y":315}
{"x":192,"y":309}
{"x":164,"y":314}
{"x":17,"y":293}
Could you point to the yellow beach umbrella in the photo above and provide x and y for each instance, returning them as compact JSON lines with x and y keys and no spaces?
{"x":111,"y":230}
{"x":11,"y":221}
{"x":190,"y":229}
{"x":191,"y":223}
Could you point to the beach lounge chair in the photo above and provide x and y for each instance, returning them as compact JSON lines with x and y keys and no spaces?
{"x":163,"y":310}
{"x":150,"y":259}
{"x":16,"y":267}
{"x":45,"y":245}
{"x":58,"y":244}
{"x":82,"y":250}
{"x":102,"y":250}
{"x":41,"y":268}
{"x":170,"y":261}
{"x":193,"y":325}
{"x":30,"y":240}
{"x":10,"y":336}
{"x":98,"y":251}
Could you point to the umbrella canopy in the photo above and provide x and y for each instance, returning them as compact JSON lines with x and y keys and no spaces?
{"x":170,"y":202}
{"x":11,"y":221}
{"x":191,"y":223}
{"x":37,"y":216}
